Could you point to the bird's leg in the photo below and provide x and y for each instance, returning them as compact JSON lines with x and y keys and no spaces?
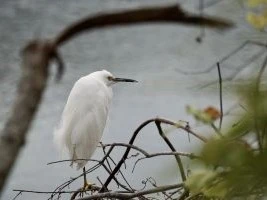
{"x":86,"y":185}
{"x":73,"y":156}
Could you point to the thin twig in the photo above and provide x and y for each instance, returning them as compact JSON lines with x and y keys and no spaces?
{"x":154,"y":184}
{"x":104,"y":152}
{"x":100,"y":162}
{"x":217,"y":131}
{"x":127,"y":145}
{"x":189,"y":155}
{"x":67,"y":183}
{"x":237,"y":69}
{"x":136,"y":132}
{"x":133,"y":195}
{"x":122,"y":175}
{"x":220,"y":95}
{"x":19,"y":193}
{"x":52,"y":192}
{"x":201,"y":35}
{"x":258,"y":82}
{"x":223,"y":59}
{"x":70,"y":160}
{"x":177,"y":157}
{"x":125,"y":154}
{"x":186,"y":128}
{"x":263,"y":66}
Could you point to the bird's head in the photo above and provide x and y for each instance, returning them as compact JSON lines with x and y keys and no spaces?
{"x":109,"y":79}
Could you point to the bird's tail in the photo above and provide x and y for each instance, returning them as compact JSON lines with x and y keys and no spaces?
{"x":59,"y":139}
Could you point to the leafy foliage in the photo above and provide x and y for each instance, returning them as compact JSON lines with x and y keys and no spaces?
{"x":233,"y":166}
{"x":257,"y":19}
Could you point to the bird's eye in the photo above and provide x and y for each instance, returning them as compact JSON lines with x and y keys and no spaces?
{"x":110,"y":78}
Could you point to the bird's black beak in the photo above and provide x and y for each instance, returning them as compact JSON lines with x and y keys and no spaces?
{"x":124,"y":80}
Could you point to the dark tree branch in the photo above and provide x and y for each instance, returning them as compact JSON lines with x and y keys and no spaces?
{"x":189,"y":155}
{"x":168,"y":14}
{"x":122,"y":175}
{"x":177,"y":157}
{"x":118,"y":166}
{"x":36,"y":58}
{"x":61,"y":66}
{"x":220,"y":95}
{"x":136,"y":132}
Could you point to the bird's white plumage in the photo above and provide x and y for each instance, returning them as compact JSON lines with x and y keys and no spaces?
{"x":84,"y":116}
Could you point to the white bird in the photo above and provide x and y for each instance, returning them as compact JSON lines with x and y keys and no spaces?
{"x":84,"y":117}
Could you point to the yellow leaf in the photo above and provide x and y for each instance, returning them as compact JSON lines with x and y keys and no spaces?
{"x":257,"y":21}
{"x":255,"y":3}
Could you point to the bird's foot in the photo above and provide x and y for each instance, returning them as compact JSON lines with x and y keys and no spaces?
{"x":86,"y":187}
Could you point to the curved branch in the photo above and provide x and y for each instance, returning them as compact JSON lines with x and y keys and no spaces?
{"x":185,"y":128}
{"x":128,"y":145}
{"x":177,"y":156}
{"x":124,"y":157}
{"x":136,"y":132}
{"x":167,"y":14}
{"x":189,"y":155}
{"x":30,"y":90}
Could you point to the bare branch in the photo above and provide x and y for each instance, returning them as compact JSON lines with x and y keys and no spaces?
{"x":220,"y":95}
{"x":118,"y":195}
{"x":100,"y":163}
{"x":189,"y":155}
{"x":36,"y":58}
{"x":167,"y":141}
{"x":185,"y":128}
{"x":128,"y":145}
{"x":122,"y":175}
{"x":263,"y":67}
{"x":168,"y":14}
{"x":226,"y":57}
{"x":136,"y":132}
{"x":53,"y":192}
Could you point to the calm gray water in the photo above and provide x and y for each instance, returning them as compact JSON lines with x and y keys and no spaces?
{"x":151,"y":54}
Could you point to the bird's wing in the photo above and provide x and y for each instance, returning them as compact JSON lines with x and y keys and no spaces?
{"x":84,"y":117}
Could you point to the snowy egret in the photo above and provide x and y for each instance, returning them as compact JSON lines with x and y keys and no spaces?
{"x":84,"y":117}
